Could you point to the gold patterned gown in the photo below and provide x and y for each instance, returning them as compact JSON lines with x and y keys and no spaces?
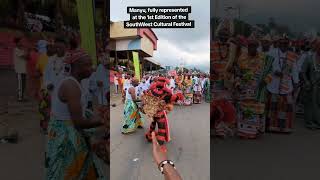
{"x":250,"y":111}
{"x":187,"y":92}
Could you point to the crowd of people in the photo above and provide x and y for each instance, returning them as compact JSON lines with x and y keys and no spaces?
{"x":73,"y":104}
{"x":260,"y":83}
{"x":194,"y":87}
{"x":182,"y":89}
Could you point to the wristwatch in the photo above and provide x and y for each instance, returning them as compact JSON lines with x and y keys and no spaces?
{"x":162,"y":163}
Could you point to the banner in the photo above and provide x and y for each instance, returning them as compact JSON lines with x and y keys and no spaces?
{"x":87,"y":30}
{"x":136,"y":64}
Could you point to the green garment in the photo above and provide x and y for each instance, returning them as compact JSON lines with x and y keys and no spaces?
{"x":262,"y":88}
{"x":311,"y":92}
{"x":207,"y":91}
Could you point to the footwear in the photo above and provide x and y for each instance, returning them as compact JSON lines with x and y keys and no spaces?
{"x":12,"y":138}
{"x":140,"y":127}
{"x":148,"y":137}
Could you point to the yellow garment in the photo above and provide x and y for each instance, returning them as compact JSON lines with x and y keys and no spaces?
{"x":188,"y":82}
{"x":253,"y":64}
{"x":41,"y":66}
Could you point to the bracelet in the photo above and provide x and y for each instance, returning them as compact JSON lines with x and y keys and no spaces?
{"x":162,"y":163}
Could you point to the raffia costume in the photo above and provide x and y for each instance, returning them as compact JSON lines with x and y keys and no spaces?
{"x":157,"y":102}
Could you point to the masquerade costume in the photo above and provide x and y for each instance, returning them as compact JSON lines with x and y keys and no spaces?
{"x":159,"y":91}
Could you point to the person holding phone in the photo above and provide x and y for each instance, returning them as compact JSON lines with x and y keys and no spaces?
{"x":166,"y":167}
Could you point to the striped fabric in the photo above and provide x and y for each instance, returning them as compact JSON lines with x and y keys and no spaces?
{"x":250,"y":111}
{"x":223,"y":117}
{"x":251,"y":126}
{"x":76,"y":55}
{"x":219,"y":59}
{"x":292,"y":58}
{"x":279,"y":112}
{"x":163,"y":133}
{"x":218,"y":51}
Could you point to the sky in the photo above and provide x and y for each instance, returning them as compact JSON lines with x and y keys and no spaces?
{"x":299,"y":15}
{"x":175,"y":46}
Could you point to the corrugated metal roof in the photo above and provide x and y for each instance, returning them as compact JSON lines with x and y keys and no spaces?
{"x":152,"y":61}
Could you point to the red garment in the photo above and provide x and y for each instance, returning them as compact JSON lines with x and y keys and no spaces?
{"x":168,"y":137}
{"x":227,"y":110}
{"x":33,"y":81}
{"x":31,"y":64}
{"x":223,"y":116}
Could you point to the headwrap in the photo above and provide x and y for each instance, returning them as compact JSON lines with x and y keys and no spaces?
{"x":75,"y":55}
{"x":266,"y":38}
{"x":252,"y":40}
{"x":284,"y":39}
{"x":241,"y":41}
{"x":275,"y":38}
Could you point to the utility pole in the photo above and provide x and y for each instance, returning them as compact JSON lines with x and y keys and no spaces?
{"x":215,"y":17}
{"x":216,"y":8}
{"x":239,"y":12}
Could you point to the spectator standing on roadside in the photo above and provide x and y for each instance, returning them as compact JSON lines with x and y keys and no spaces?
{"x":20,"y":67}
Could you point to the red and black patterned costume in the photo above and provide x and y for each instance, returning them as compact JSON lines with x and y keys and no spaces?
{"x":158,"y":89}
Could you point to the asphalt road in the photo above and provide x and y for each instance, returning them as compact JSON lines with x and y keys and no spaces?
{"x":293,"y":156}
{"x":131,"y":157}
{"x":24,"y":160}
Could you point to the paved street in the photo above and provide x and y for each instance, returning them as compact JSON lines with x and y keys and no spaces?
{"x":24,"y":160}
{"x":273,"y":156}
{"x":131,"y":157}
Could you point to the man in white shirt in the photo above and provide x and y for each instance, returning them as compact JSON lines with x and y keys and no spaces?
{"x":102,"y":79}
{"x":139,"y":88}
{"x":127,"y":82}
{"x":55,"y":67}
{"x":172,"y":83}
{"x":116,"y":83}
{"x":96,"y":85}
{"x":285,"y":77}
{"x":20,"y":68}
{"x":148,"y":81}
{"x":197,"y":95}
